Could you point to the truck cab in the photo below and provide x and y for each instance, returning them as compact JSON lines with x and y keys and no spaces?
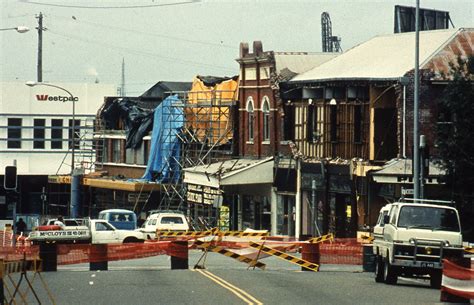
{"x":416,"y":237}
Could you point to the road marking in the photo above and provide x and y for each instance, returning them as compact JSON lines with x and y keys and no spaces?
{"x":247,"y":298}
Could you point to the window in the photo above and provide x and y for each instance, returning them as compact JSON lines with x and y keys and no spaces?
{"x":311,"y":123}
{"x":289,"y":122}
{"x":251,"y":119}
{"x":38,"y":133}
{"x":116,"y":156}
{"x":56,"y":133}
{"x":358,"y":123}
{"x":266,"y":118}
{"x":77,"y":133}
{"x":14,"y":133}
{"x":333,"y":114}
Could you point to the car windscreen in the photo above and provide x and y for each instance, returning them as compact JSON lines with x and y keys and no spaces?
{"x":431,"y":218}
{"x":171,"y":220}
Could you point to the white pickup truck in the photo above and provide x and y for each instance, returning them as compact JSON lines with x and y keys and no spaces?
{"x":95,"y":231}
{"x":412,"y":239}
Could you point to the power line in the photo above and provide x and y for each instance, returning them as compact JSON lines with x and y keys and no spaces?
{"x":109,"y":7}
{"x":139,"y":52}
{"x":148,"y":33}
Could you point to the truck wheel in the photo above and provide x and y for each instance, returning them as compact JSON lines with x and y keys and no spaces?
{"x":379,"y":269}
{"x":132,"y":240}
{"x":390,"y":273}
{"x":435,"y":279}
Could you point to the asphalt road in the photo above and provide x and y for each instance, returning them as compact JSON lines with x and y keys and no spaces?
{"x":224,"y":281}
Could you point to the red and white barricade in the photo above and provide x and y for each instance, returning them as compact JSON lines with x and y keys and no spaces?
{"x":458,"y":282}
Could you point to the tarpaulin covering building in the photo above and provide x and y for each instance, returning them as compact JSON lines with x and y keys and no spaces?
{"x":163,"y":161}
{"x":208,"y":107}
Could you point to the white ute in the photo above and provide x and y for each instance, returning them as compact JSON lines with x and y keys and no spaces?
{"x":413,"y":238}
{"x":165,"y":221}
{"x":95,"y":231}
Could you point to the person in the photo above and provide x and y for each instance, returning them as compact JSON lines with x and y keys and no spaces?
{"x":20,"y":226}
{"x":59,"y":222}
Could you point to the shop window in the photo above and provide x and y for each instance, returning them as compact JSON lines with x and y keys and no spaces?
{"x":38,"y":133}
{"x":56,"y":134}
{"x":251,"y":119}
{"x":14,"y":133}
{"x":266,"y":118}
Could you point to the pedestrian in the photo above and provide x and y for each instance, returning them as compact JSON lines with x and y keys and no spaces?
{"x":59,"y":222}
{"x":20,"y":226}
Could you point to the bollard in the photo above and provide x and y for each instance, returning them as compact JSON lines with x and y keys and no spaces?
{"x":179,"y":255}
{"x":311,"y":253}
{"x":368,"y":258}
{"x":48,"y":253}
{"x":98,"y":257}
{"x":447,"y":297}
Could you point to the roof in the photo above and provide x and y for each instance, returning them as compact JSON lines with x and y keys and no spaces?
{"x":299,"y":62}
{"x":386,"y":57}
{"x":404,"y":167}
{"x":160,"y":89}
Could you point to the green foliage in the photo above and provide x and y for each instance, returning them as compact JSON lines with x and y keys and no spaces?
{"x":455,"y":134}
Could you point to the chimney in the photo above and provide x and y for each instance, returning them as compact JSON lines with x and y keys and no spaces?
{"x":257,"y":48}
{"x":244,"y":49}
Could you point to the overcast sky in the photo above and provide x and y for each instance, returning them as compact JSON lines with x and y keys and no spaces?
{"x":87,"y":39}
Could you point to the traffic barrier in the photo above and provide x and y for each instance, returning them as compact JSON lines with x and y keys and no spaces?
{"x":469,"y":250}
{"x":192,"y":234}
{"x":180,"y":259}
{"x":7,"y":268}
{"x":100,"y":261}
{"x":217,"y":249}
{"x":457,"y":284}
{"x":320,"y":239}
{"x":241,"y":234}
{"x":48,"y":253}
{"x":287,"y":257}
{"x":311,"y":253}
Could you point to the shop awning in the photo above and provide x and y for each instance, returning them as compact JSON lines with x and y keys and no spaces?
{"x":400,"y":171}
{"x":231,"y":172}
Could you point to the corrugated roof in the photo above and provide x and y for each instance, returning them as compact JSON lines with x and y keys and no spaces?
{"x":380,"y":58}
{"x":300,"y":62}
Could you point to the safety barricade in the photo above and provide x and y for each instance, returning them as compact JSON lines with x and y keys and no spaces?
{"x":11,"y":289}
{"x":457,"y":284}
{"x":208,"y":246}
{"x":292,"y":259}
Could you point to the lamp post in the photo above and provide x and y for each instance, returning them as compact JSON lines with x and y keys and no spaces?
{"x":73,"y":139}
{"x":20,"y":29}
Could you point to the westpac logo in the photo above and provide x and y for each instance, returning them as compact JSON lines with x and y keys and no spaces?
{"x":46,"y":97}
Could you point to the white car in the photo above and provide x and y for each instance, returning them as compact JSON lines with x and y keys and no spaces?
{"x":164,"y":221}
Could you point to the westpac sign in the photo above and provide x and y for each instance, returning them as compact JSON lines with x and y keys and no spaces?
{"x":46,"y":97}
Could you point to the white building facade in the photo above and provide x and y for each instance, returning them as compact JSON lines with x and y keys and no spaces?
{"x":36,"y":131}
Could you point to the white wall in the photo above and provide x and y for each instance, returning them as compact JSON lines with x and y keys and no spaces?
{"x":20,"y":101}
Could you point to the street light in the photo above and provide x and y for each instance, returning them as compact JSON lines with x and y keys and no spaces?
{"x":73,"y":138}
{"x":20,"y":29}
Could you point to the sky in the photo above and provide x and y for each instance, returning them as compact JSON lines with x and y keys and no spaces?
{"x":175,"y":40}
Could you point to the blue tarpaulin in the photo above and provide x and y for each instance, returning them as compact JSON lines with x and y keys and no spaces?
{"x":163,"y":161}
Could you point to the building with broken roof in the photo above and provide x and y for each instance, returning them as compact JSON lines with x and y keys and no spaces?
{"x":354,"y":114}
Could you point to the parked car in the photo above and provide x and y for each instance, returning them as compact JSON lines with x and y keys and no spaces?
{"x":167,"y":221}
{"x":120,"y":218}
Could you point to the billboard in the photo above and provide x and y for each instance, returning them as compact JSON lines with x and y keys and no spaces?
{"x":429,"y":19}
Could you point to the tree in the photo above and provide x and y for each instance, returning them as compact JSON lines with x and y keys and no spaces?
{"x":455,"y":139}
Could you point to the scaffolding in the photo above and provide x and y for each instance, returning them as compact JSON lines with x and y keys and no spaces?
{"x":206,"y":135}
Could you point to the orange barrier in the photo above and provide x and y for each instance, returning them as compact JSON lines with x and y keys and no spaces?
{"x":458,"y":281}
{"x":345,"y":251}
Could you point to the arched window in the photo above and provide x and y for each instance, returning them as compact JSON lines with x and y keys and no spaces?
{"x":266,"y":118}
{"x":251,"y":119}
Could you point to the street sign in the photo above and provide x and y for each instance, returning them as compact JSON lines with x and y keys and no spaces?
{"x":407,"y":192}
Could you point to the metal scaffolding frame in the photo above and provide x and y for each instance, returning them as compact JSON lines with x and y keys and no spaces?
{"x":206,"y":136}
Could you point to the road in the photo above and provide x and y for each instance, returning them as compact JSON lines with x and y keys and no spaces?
{"x":224,"y":281}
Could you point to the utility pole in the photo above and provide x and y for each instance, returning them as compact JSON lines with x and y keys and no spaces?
{"x":40,"y":48}
{"x":123,"y":77}
{"x":416,"y":101}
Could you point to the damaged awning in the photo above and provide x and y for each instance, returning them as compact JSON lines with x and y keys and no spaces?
{"x":231,"y":172}
{"x":400,"y":171}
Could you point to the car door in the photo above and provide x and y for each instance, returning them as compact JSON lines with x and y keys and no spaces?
{"x":105,"y":233}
